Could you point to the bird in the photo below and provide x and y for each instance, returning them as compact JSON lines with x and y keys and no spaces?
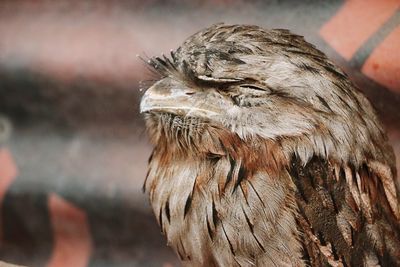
{"x":266,"y":154}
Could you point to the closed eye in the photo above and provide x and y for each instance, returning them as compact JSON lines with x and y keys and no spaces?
{"x":254,"y":87}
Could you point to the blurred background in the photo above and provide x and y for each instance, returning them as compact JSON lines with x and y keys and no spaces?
{"x":73,"y":149}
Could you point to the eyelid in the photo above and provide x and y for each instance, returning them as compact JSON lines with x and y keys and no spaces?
{"x":254,"y":87}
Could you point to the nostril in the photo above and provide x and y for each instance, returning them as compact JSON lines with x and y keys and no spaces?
{"x":190,"y":93}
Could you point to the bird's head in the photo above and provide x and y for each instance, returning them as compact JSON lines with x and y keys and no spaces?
{"x":258,"y":84}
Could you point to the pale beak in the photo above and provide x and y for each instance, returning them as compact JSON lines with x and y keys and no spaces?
{"x":170,"y":96}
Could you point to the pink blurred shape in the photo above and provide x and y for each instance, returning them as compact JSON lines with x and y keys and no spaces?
{"x":72,"y":241}
{"x":383,"y":65}
{"x":355,"y":22}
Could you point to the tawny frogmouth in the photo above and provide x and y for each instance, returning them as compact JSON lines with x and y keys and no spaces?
{"x":265,"y":154}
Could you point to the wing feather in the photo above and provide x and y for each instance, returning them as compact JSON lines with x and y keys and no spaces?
{"x":348,"y":215}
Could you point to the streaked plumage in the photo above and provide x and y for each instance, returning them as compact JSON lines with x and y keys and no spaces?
{"x":265,"y":154}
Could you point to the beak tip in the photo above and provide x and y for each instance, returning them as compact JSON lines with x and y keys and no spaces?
{"x":143,"y":106}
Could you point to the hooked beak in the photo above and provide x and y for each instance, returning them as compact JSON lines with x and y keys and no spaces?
{"x":169,"y":96}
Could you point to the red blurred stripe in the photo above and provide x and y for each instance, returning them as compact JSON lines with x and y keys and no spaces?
{"x":383,"y":65}
{"x":355,"y":22}
{"x":8,"y":172}
{"x":72,"y":241}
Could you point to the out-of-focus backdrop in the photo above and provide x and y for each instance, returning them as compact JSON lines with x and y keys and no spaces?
{"x":73,"y":149}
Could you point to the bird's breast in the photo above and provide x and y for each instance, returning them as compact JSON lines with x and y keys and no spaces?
{"x":214,"y":212}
